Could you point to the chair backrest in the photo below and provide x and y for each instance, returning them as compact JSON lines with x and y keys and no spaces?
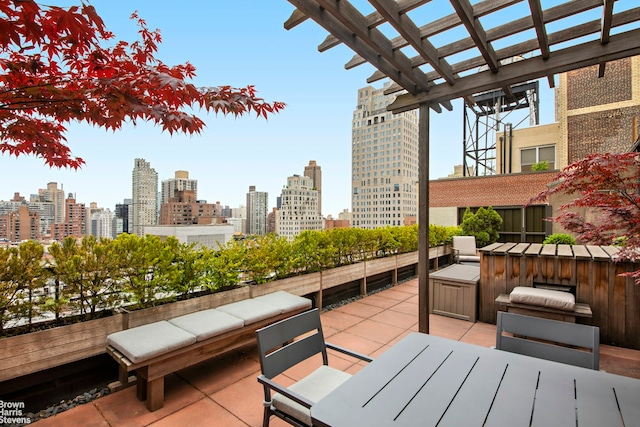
{"x":556,"y":336}
{"x":279,"y":349}
{"x":465,"y":245}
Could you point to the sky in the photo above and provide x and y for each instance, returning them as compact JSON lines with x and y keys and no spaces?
{"x":236,"y":43}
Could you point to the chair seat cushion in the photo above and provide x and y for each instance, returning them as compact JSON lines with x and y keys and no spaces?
{"x":543,"y":297}
{"x":150,"y":340}
{"x":250,"y":310}
{"x":285,"y":301}
{"x":207,"y":323}
{"x":314,"y":387}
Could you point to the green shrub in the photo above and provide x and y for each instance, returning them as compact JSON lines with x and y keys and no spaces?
{"x":484,"y":225}
{"x":540,"y":166}
{"x":559,"y":239}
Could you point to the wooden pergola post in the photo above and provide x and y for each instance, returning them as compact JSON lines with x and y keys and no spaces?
{"x":423,"y":218}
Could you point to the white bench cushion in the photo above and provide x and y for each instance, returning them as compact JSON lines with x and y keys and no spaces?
{"x":207,"y":323}
{"x":250,"y":310}
{"x":285,"y":301}
{"x":543,"y":297}
{"x":146,"y":341}
{"x":314,"y":387}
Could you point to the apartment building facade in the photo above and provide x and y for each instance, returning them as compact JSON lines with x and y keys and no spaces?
{"x":384,"y":155}
{"x":180,"y":182}
{"x":144,"y":200}
{"x":314,"y":172}
{"x":257,"y":211}
{"x":299,"y":208}
{"x":184,"y":209}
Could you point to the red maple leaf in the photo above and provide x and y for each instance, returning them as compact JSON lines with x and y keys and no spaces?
{"x":54,"y":70}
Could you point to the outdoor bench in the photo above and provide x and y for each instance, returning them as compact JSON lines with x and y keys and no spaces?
{"x":551,"y":304}
{"x":161,"y":348}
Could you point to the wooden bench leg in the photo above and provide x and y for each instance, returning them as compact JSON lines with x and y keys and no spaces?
{"x":123,"y":376}
{"x":155,"y":394}
{"x":141,"y":388}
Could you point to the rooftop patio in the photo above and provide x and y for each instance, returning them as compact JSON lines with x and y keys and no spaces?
{"x":224,"y":390}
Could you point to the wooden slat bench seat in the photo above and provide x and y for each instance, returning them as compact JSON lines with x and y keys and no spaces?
{"x":157,"y":349}
{"x":579,"y":309}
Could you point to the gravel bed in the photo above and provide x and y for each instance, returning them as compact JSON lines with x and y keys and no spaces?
{"x":63,"y":405}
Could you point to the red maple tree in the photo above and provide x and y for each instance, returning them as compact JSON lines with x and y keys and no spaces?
{"x":609,"y":186}
{"x":56,"y":68}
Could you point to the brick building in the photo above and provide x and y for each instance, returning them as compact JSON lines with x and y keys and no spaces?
{"x":600,"y":114}
{"x":20,"y":225}
{"x":184,"y":209}
{"x":594,"y":115}
{"x":75,"y":220}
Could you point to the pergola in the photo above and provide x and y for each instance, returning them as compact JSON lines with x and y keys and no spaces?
{"x":490,"y":45}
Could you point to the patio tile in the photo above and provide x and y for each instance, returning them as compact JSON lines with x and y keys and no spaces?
{"x":410,"y":287}
{"x":203,"y":412}
{"x":355,"y":343}
{"x":396,"y":318}
{"x":219,"y":372}
{"x":243,"y":399}
{"x":376,"y":331}
{"x":124,"y":409}
{"x":406,"y":307}
{"x":84,"y":415}
{"x":338,"y":320}
{"x":481,"y":334}
{"x":380,"y":300}
{"x":395,"y":294}
{"x":360,"y":309}
{"x":448,"y":327}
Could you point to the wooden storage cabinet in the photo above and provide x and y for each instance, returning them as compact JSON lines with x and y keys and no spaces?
{"x":453,"y":292}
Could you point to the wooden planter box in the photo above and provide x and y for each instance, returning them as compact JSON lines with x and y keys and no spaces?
{"x":33,"y":352}
{"x":37,"y":351}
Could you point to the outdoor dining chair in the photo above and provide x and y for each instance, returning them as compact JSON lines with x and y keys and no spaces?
{"x":464,"y":249}
{"x":564,"y":342}
{"x":283,"y":345}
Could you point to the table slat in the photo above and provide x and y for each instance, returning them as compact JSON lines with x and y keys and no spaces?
{"x":514,"y":401}
{"x":555,"y":401}
{"x":596,"y":404}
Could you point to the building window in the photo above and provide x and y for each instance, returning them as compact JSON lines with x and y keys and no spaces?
{"x":531,"y":156}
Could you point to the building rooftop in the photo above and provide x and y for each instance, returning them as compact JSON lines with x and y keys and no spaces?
{"x":224,"y":391}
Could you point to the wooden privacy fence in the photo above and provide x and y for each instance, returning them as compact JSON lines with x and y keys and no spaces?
{"x":589,"y":272}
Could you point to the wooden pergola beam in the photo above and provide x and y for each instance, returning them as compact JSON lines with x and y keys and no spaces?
{"x":410,"y":32}
{"x":592,"y":53}
{"x":502,"y":31}
{"x":530,"y":45}
{"x":607,"y":20}
{"x":355,"y":22}
{"x":472,"y":24}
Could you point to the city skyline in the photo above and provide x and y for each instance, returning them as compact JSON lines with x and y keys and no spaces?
{"x":235,"y":153}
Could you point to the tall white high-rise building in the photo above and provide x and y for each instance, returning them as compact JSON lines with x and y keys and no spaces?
{"x":180,"y":182}
{"x":102,"y":223}
{"x":384,"y":162}
{"x":257,"y":211}
{"x":144,"y":206}
{"x":299,"y":208}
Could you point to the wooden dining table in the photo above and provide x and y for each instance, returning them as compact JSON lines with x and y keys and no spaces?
{"x":424,"y":380}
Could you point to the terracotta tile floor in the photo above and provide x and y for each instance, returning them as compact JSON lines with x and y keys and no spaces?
{"x":224,"y":391}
